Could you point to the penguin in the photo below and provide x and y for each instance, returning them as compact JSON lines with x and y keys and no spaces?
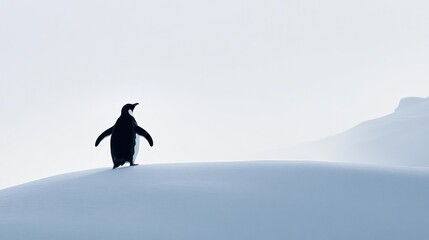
{"x":124,"y":142}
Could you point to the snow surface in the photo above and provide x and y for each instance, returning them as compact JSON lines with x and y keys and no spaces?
{"x":400,"y":138}
{"x":240,"y":200}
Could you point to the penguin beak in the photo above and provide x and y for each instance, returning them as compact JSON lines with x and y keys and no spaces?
{"x":134,"y":105}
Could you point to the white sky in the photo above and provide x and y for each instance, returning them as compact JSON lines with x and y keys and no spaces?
{"x":216,"y":80}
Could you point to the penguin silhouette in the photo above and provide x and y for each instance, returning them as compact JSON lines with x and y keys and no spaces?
{"x":124,"y":143}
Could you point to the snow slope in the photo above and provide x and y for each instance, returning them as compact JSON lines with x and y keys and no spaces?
{"x":400,"y":138}
{"x":241,"y":200}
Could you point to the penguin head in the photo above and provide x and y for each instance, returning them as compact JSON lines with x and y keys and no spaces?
{"x":128,"y":108}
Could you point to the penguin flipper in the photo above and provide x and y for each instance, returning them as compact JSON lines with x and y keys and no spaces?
{"x":140,"y":131}
{"x":103,"y":135}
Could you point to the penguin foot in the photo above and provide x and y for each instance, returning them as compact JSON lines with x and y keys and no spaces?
{"x":133,"y":164}
{"x":115,"y":166}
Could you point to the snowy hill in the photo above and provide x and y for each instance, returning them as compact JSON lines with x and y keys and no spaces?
{"x":242,"y":200}
{"x":400,"y":138}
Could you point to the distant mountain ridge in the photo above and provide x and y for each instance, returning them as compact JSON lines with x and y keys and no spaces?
{"x":413,"y":105}
{"x":400,"y":138}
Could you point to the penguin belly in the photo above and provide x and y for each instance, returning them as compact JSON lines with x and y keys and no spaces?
{"x":136,"y":148}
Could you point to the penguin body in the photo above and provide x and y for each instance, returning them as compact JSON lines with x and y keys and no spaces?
{"x":124,"y":142}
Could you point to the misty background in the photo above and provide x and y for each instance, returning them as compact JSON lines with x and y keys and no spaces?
{"x":216,"y":81}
